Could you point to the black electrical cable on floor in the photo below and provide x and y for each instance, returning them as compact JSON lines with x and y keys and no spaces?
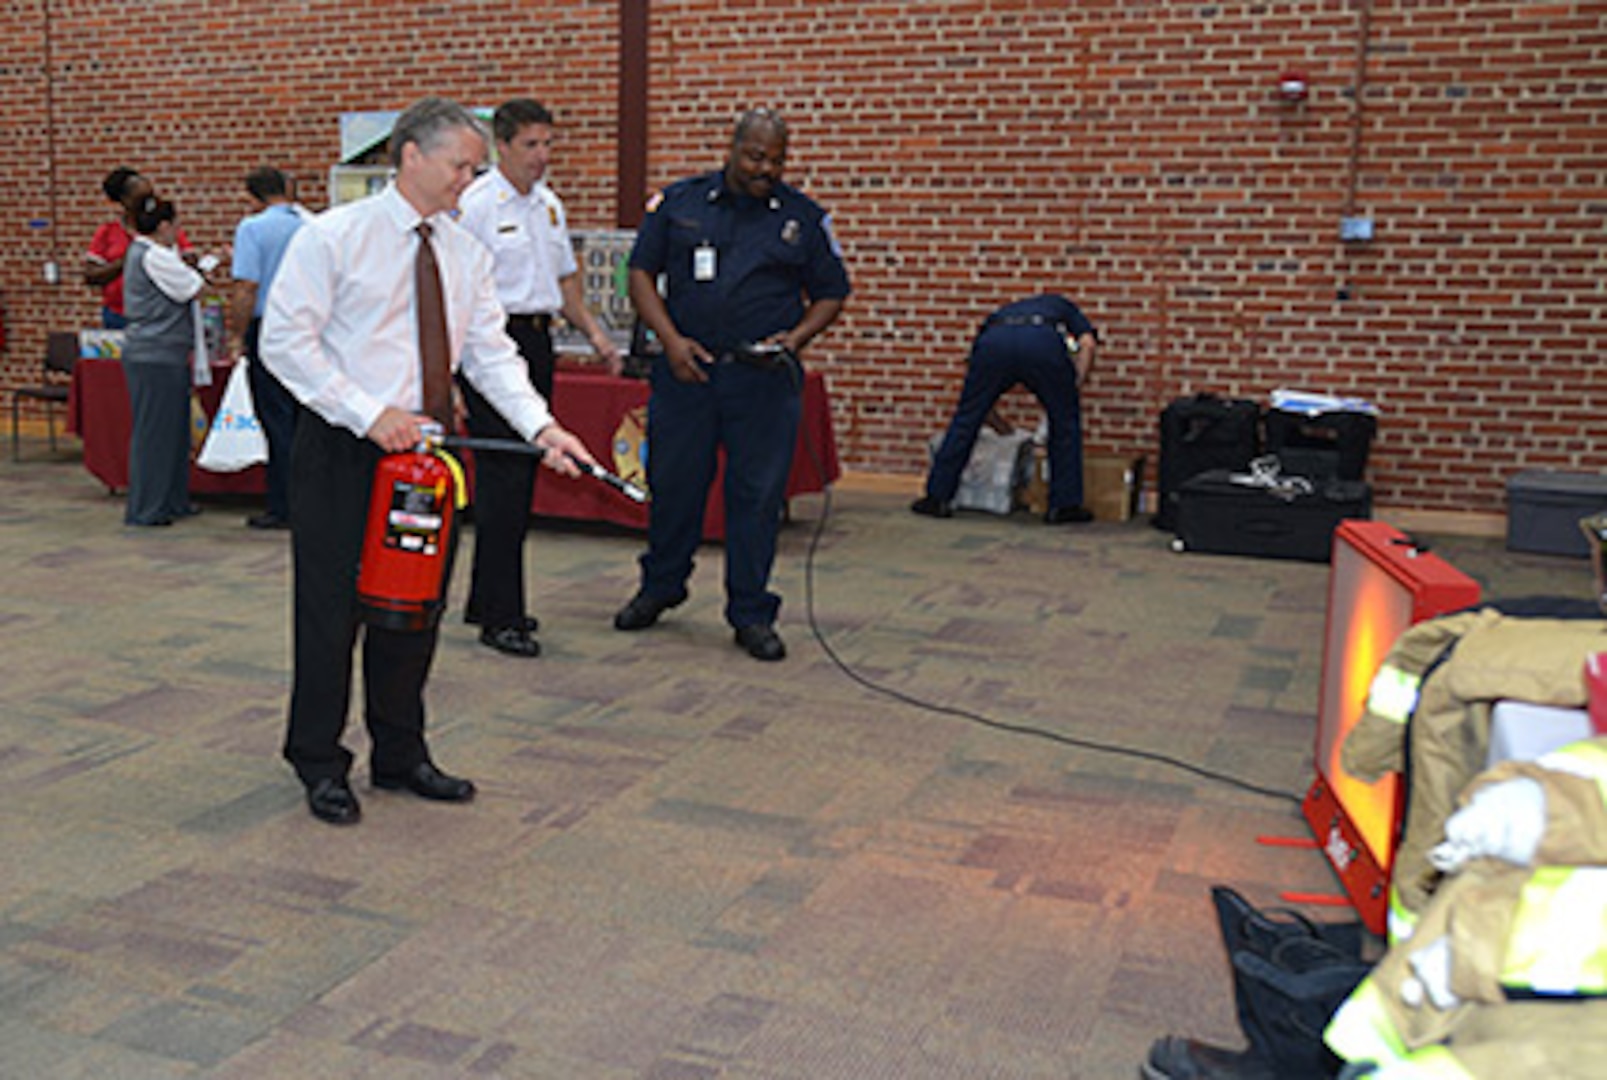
{"x":977,"y":718}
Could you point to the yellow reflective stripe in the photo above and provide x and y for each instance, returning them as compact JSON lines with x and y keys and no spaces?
{"x":1393,"y":694}
{"x":1586,"y":759}
{"x":1558,"y":943}
{"x":1361,"y":1031}
{"x":1402,"y":923}
{"x":1592,"y":753}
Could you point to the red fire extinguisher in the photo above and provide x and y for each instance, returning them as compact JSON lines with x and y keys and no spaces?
{"x":410,"y":540}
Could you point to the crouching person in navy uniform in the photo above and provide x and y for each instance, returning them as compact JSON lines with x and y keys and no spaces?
{"x":1046,"y":344}
{"x":751,"y":273}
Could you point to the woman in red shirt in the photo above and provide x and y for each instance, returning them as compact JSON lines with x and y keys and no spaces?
{"x":103,"y":263}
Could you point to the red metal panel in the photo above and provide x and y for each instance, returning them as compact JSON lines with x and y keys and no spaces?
{"x":1380,"y":584}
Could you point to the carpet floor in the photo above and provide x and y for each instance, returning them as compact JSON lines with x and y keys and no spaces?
{"x":966,"y":830}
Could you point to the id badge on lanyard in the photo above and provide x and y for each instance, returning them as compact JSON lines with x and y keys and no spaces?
{"x":703,"y":262}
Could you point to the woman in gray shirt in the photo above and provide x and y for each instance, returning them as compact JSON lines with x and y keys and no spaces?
{"x":159,"y":292}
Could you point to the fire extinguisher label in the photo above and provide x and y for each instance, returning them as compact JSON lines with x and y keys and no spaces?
{"x":414,"y":521}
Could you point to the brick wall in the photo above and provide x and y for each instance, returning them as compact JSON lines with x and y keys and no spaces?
{"x":1134,"y":154}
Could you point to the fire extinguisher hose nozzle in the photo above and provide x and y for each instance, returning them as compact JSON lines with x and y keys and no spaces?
{"x":509,"y":446}
{"x":618,"y":483}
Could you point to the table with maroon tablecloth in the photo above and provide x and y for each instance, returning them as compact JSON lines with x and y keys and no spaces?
{"x":98,"y":413}
{"x":607,"y":412}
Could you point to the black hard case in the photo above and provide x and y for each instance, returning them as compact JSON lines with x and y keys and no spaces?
{"x":1220,"y":517}
{"x":1544,"y":508}
{"x":1326,"y":445}
{"x":1200,"y":433}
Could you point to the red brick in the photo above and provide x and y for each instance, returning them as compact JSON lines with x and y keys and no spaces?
{"x":1135,"y":157}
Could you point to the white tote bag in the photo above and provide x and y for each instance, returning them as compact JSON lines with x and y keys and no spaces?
{"x":235,"y":440}
{"x":998,"y":469}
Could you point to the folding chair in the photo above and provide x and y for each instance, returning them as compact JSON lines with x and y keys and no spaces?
{"x":61,"y":353}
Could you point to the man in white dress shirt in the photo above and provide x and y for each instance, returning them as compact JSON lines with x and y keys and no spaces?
{"x":514,"y":213}
{"x":342,"y":333}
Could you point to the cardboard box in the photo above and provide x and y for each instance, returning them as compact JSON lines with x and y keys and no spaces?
{"x":1112,"y":484}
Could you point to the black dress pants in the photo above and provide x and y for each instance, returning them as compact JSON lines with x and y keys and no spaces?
{"x":332,"y":471}
{"x":504,"y":484}
{"x":276,"y":412}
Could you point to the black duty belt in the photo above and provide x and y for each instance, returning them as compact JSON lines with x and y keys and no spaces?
{"x":771,"y":358}
{"x":539,"y":322}
{"x":1023,"y":320}
{"x":761,"y":357}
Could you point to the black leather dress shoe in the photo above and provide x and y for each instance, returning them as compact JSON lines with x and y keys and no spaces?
{"x":332,"y":800}
{"x":428,"y":782}
{"x":531,"y":623}
{"x":513,"y":640}
{"x":267,"y":521}
{"x":927,"y":506}
{"x":1068,"y":515}
{"x":643,"y":611}
{"x":762,"y":642}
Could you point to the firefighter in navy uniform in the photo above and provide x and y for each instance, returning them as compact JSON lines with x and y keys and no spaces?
{"x":751,"y":273}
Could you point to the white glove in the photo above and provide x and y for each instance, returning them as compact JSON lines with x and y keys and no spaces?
{"x":1503,"y":821}
{"x":1432,"y":967}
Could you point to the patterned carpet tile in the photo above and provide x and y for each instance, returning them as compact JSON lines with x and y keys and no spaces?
{"x":969,"y":835}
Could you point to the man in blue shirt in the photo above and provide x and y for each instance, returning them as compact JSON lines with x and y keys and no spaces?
{"x":1047,"y":344}
{"x":259,"y":243}
{"x":750,"y":274}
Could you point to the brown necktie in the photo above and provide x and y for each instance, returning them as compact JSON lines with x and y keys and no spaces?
{"x":435,"y":355}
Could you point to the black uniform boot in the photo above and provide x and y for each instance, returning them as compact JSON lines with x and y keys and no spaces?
{"x":1177,"y":1058}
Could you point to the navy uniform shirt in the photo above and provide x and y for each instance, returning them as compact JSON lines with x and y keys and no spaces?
{"x":737,"y":268}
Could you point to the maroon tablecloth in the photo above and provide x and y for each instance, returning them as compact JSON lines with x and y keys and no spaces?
{"x":608,"y":413}
{"x":97,"y":412}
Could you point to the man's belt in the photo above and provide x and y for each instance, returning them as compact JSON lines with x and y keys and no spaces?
{"x":767,"y":357}
{"x":763,"y":357}
{"x":1023,"y":320}
{"x":538,"y":321}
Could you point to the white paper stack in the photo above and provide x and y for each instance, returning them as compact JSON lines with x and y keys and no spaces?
{"x":1311,"y":403}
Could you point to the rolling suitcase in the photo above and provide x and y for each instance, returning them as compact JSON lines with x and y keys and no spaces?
{"x":1201,"y":433}
{"x":1324,"y":445}
{"x":1293,"y":518}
